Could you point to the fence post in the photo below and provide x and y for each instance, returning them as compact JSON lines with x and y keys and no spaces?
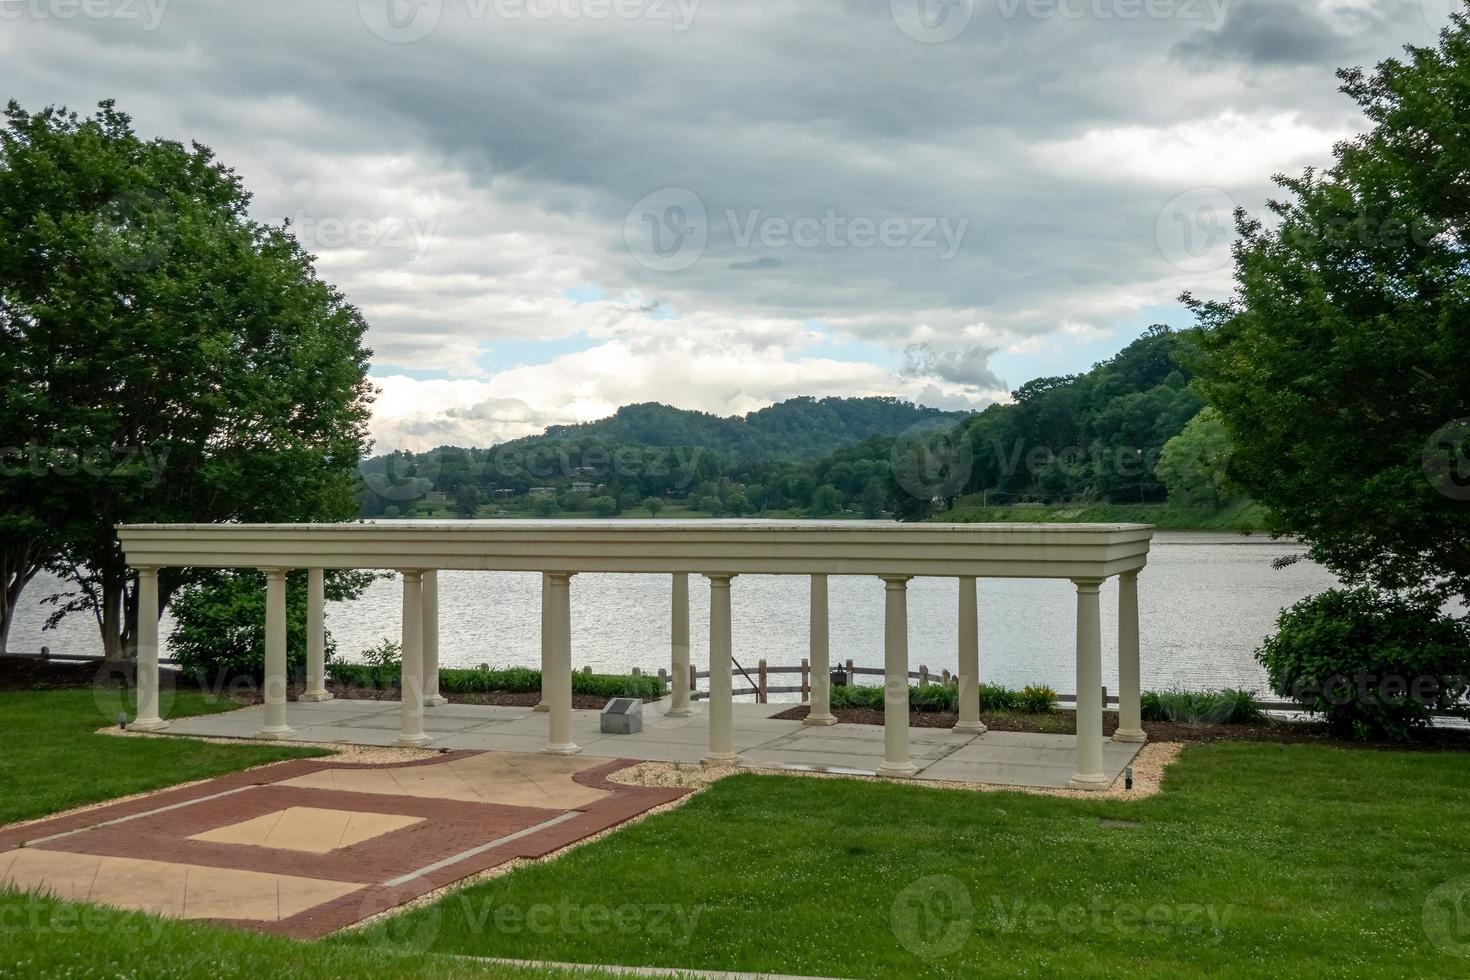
{"x":806,"y":678}
{"x":663,"y":680}
{"x":1105,"y":697}
{"x":851,"y":677}
{"x":944,"y":677}
{"x":45,"y":653}
{"x":693,"y":683}
{"x":761,"y":681}
{"x":923,"y":675}
{"x":637,"y":672}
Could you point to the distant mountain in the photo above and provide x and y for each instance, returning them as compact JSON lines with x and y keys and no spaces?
{"x":796,"y":429}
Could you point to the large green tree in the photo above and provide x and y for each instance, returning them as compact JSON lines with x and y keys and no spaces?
{"x":1341,"y":367}
{"x":165,"y":357}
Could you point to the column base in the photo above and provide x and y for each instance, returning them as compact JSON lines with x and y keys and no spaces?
{"x":413,"y":740}
{"x":315,"y":697}
{"x":543,"y":706}
{"x":565,"y":748}
{"x":147,"y":725}
{"x":1089,"y":782}
{"x":679,"y":713}
{"x":898,"y":770}
{"x":1127,"y":735}
{"x":434,"y":700}
{"x":970,"y":728}
{"x":275,"y":731}
{"x":820,"y":720}
{"x":722,"y":759}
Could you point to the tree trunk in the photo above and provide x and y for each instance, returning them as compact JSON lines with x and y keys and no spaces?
{"x":19,"y":563}
{"x":114,"y":588}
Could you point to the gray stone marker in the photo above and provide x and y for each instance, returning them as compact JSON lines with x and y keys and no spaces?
{"x":623,"y":716}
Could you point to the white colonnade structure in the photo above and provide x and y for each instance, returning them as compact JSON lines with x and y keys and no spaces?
{"x":720,"y":551}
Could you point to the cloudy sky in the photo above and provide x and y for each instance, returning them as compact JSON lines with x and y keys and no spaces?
{"x":549,"y":208}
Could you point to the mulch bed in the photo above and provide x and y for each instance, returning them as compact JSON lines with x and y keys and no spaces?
{"x":1065,"y":723}
{"x":29,"y":673}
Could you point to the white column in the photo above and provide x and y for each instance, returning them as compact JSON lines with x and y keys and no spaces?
{"x":316,"y":637}
{"x":968,"y":680}
{"x":679,"y":647}
{"x":1130,"y":720}
{"x":147,"y":719}
{"x":559,"y":657}
{"x":545,"y":703}
{"x":1089,"y":774}
{"x":721,"y":702}
{"x":432,"y":696}
{"x":820,"y":712}
{"x":275,"y":655}
{"x":411,"y":677}
{"x":896,"y":761}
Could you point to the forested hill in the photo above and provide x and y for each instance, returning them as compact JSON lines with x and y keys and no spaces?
{"x":800,"y":428}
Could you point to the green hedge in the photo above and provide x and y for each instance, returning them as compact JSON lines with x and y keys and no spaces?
{"x":945,"y":698}
{"x":511,"y":680}
{"x":1227,"y":707}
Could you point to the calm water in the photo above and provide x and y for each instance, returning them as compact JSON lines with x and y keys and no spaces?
{"x":1206,"y":601}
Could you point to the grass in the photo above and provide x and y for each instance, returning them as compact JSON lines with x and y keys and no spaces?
{"x":54,"y":760}
{"x":41,"y":937}
{"x":1245,"y":517}
{"x":1257,"y":860}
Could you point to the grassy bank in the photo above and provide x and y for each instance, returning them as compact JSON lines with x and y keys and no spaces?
{"x":1243,"y":517}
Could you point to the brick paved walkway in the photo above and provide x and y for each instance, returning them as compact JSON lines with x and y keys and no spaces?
{"x":305,"y":848}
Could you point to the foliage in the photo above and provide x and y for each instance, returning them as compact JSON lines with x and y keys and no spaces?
{"x":1341,"y":367}
{"x":826,"y":501}
{"x":466,"y":500}
{"x":1193,"y":463}
{"x":945,"y":698}
{"x":384,"y":653}
{"x":512,"y":680}
{"x":1228,"y":707}
{"x":188,"y":353}
{"x":653,"y":505}
{"x":1372,"y":664}
{"x":219,"y":622}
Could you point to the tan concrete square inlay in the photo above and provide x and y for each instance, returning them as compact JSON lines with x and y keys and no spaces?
{"x":509,"y":778}
{"x":184,"y":891}
{"x":309,"y":828}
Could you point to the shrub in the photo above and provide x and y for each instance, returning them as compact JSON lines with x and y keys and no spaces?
{"x":1227,"y":707}
{"x":219,"y":627}
{"x":942,"y":698}
{"x":511,"y":680}
{"x":1373,"y":664}
{"x":1037,"y":699}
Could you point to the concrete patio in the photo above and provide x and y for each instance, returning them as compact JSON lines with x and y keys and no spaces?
{"x":764,"y":742}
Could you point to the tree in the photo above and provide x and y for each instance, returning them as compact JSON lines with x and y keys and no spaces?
{"x":873,"y":499}
{"x":165,"y":357}
{"x":545,"y":506}
{"x":1193,"y":463}
{"x":653,"y":505}
{"x":466,"y":500}
{"x":604,"y":506}
{"x":1341,"y":367}
{"x":826,"y":500}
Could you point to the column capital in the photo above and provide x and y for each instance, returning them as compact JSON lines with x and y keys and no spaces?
{"x":559,"y":578}
{"x":896,"y":581}
{"x":412,"y":574}
{"x":146,"y":569}
{"x":718,"y":581}
{"x":274,"y":573}
{"x":1131,"y":574}
{"x":1086,"y":585}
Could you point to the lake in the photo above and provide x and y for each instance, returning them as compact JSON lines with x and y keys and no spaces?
{"x":1206,"y":601}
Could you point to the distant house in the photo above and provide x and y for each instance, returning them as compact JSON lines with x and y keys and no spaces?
{"x":504,"y":494}
{"x":542,"y":491}
{"x":582,"y":488}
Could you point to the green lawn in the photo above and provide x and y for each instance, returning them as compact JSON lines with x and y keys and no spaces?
{"x":1257,"y":860}
{"x":53,"y":760}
